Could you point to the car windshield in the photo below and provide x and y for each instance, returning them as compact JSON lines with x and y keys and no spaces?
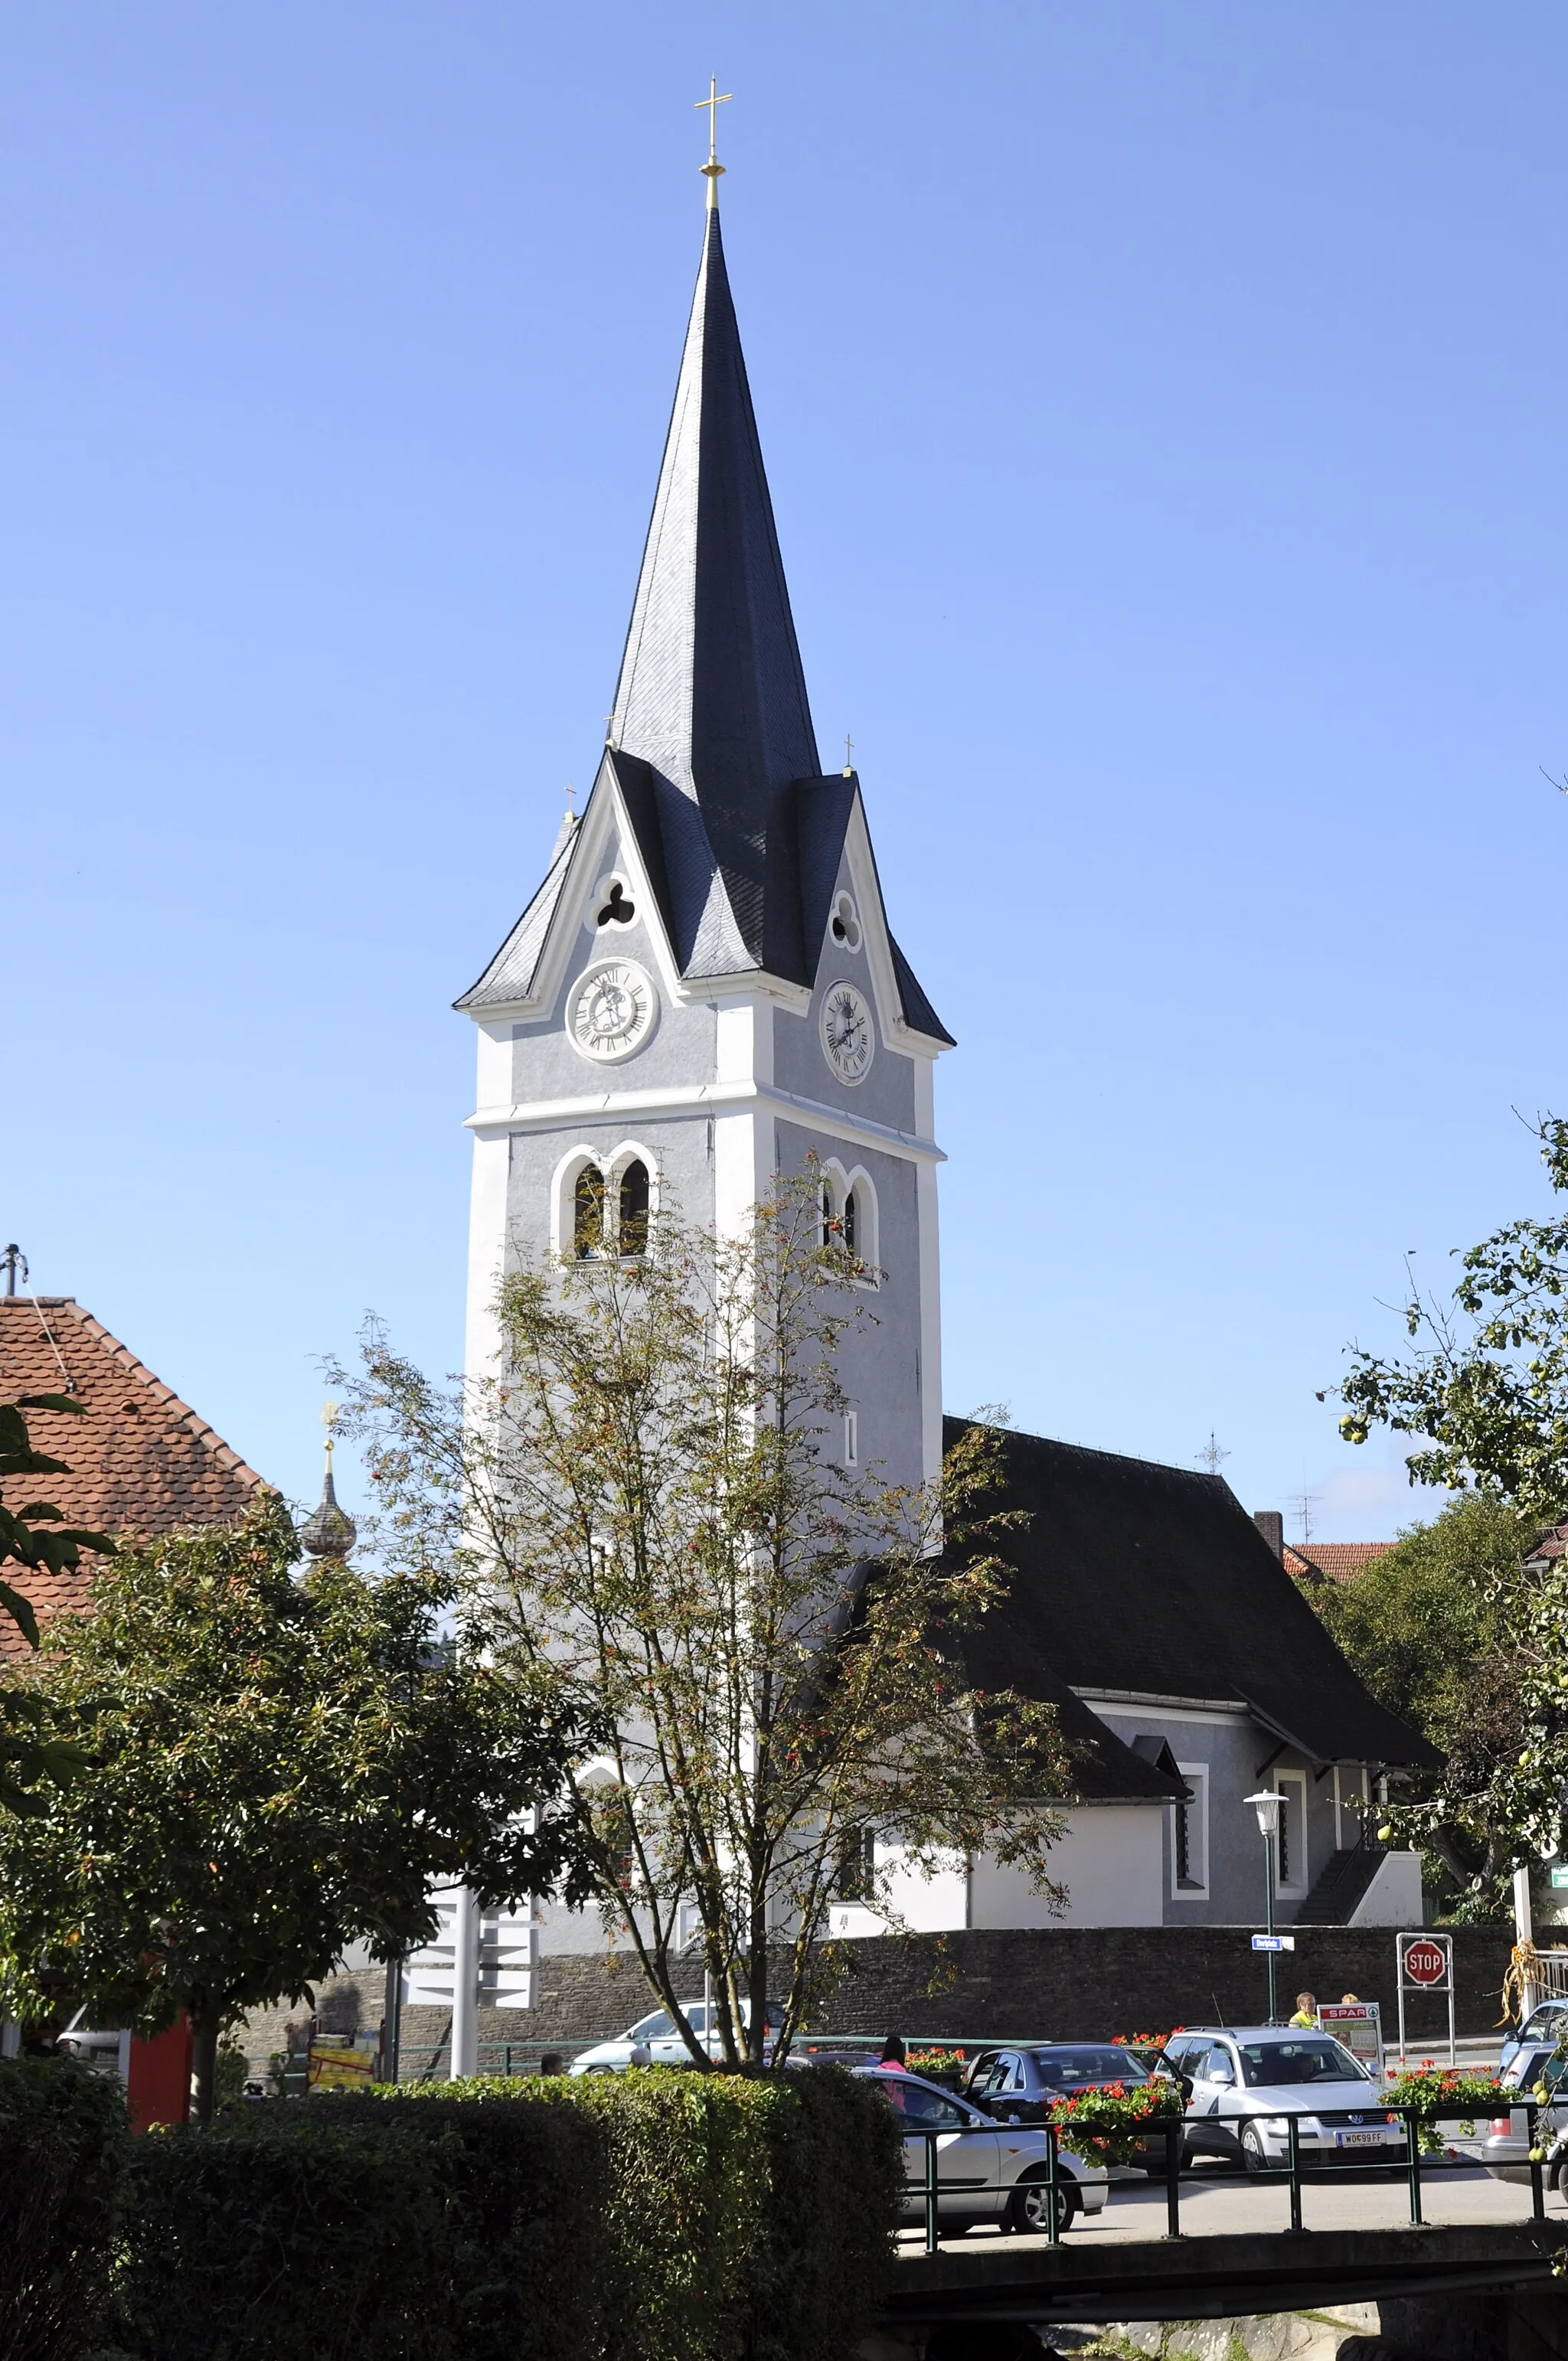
{"x":1533,"y":2066}
{"x":1268,"y":2064}
{"x":1071,"y":2066}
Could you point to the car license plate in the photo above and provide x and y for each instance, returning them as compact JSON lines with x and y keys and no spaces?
{"x":1358,"y":2140}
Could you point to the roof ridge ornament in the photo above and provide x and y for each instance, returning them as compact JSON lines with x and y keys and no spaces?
{"x":713,"y":170}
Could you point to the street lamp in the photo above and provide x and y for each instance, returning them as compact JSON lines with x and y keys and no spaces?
{"x":1268,"y":1804}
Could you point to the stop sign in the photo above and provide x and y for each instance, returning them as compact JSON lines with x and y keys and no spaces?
{"x":1426,"y":1962}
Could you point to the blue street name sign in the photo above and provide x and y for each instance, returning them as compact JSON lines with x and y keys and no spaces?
{"x":1274,"y":1942}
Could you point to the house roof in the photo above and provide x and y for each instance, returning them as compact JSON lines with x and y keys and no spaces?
{"x":1143,"y":1580}
{"x":141,"y":1460}
{"x":1332,"y":1561}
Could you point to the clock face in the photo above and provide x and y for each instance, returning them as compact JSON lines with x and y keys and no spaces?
{"x":612,"y":1011}
{"x":848,"y":1039}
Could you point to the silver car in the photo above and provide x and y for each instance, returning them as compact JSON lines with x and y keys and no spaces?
{"x":986,"y":2171}
{"x":1503,"y":2146}
{"x":1245,"y":2081}
{"x":656,"y":2034}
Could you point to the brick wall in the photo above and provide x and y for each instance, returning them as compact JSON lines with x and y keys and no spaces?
{"x":1075,"y":1983}
{"x":1070,"y":1983}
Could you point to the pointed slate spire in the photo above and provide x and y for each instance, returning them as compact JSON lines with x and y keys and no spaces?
{"x":711,"y":694}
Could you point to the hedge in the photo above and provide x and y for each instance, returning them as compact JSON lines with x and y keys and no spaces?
{"x":63,"y":2135}
{"x":655,"y":2216}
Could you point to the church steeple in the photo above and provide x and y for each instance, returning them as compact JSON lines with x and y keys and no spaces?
{"x":711,"y":694}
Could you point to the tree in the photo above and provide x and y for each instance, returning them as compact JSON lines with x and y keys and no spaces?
{"x":1430,"y":1628}
{"x":282,"y":1766}
{"x":1486,"y":1387}
{"x":34,"y":1535}
{"x":769,"y":1643}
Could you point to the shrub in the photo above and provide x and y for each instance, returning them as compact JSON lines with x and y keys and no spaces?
{"x":334,"y":2230}
{"x":744,"y":2214}
{"x":63,"y":2135}
{"x":643,"y":2217}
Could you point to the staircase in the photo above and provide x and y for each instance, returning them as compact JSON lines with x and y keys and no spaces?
{"x":1340,"y":1886}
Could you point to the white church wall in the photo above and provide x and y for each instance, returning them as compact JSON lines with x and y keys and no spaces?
{"x":1110,"y":1859}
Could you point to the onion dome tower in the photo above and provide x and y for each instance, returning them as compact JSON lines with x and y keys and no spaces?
{"x":329,"y":1530}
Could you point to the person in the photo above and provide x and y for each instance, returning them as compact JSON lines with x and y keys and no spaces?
{"x":893,"y":2052}
{"x":552,"y":2062}
{"x":1306,"y":2014}
{"x":1348,"y":2000}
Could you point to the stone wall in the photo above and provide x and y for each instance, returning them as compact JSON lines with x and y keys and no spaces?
{"x":1066,"y":1983}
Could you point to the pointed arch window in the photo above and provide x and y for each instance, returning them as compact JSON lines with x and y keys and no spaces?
{"x":851,"y":1221}
{"x":827,"y":1213}
{"x":632,"y":1231}
{"x":587,"y":1212}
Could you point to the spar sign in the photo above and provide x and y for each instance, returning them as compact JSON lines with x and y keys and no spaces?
{"x":1425,"y":1964}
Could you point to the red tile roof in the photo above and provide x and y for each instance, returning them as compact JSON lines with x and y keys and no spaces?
{"x":1331,"y":1561}
{"x":141,"y":1460}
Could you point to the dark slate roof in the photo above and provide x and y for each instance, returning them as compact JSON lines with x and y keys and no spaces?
{"x":1134,"y":1577}
{"x":711,"y":691}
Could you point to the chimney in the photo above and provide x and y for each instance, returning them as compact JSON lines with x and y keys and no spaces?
{"x":1270,"y":1523}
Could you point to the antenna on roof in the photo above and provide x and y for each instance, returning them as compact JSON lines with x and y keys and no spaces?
{"x":12,"y":1261}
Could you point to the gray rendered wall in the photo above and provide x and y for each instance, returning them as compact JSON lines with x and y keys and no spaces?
{"x":1236,"y":1752}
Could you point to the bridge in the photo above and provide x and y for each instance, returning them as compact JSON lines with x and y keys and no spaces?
{"x":1234,"y":2257}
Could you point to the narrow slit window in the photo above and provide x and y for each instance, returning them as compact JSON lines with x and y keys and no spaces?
{"x":587,"y":1212}
{"x":856,"y":1867}
{"x":634,"y":1208}
{"x":851,"y":1438}
{"x":851,"y":1223}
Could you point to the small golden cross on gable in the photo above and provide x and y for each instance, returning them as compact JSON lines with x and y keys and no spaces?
{"x":716,"y":99}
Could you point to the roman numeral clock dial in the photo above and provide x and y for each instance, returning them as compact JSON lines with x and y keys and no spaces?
{"x":612,"y":1011}
{"x":848,"y":1039}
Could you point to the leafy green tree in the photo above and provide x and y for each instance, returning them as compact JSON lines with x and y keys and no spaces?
{"x":1417,"y":1621}
{"x":1431,"y":1629}
{"x":282,"y":1766}
{"x":1487,"y":1383}
{"x":1486,"y":1390}
{"x":769,"y":1644}
{"x":35,"y":1536}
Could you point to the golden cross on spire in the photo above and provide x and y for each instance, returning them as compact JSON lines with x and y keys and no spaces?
{"x":330,"y":1414}
{"x":712,"y":170}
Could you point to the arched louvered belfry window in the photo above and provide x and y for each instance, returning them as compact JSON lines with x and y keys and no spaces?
{"x":850,"y":1222}
{"x":634,"y":1234}
{"x":587,"y":1212}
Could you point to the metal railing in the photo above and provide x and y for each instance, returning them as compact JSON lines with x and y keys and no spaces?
{"x":1292,"y":2172}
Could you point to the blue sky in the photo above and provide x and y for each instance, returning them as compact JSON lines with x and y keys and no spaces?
{"x":1163,"y":406}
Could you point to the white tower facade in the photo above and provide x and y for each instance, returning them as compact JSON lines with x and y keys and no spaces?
{"x":705,"y":988}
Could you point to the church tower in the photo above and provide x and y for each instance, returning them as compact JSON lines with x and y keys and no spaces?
{"x":705,"y":988}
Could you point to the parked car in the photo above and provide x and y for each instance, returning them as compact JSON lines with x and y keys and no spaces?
{"x":986,"y":2170}
{"x":656,"y":2033}
{"x":1022,"y":2084}
{"x":1503,"y":2147}
{"x":99,"y":2051}
{"x":1245,"y":2080}
{"x":1548,"y":2021}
